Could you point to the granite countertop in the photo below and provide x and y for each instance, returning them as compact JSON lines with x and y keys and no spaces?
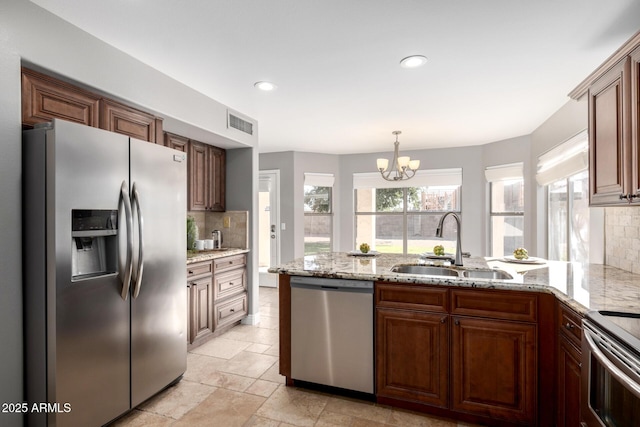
{"x":583,"y":287}
{"x":208,"y":255}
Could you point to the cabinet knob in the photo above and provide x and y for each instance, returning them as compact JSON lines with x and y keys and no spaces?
{"x":444,"y":319}
{"x":233,"y":310}
{"x":231,"y":283}
{"x":569,"y":326}
{"x":457,"y":322}
{"x":190,"y":271}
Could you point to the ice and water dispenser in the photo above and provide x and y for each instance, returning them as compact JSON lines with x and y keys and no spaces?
{"x":94,"y":243}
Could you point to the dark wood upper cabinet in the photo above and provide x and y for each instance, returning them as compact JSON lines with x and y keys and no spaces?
{"x":120,"y":118}
{"x":614,"y":143}
{"x":635,"y":121}
{"x":609,"y":131}
{"x":45,"y":98}
{"x":217,"y":178}
{"x":207,"y":172}
{"x":176,"y":142}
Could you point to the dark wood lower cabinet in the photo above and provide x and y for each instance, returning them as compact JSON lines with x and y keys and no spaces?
{"x":413,"y":356}
{"x":201,"y":309}
{"x":475,"y":355}
{"x":568,"y":367}
{"x":493,"y":369}
{"x":569,"y":377}
{"x":481,"y":356}
{"x":217,"y":297}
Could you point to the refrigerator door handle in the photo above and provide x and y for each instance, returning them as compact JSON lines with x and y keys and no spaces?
{"x":126,"y":277}
{"x":140,"y":267}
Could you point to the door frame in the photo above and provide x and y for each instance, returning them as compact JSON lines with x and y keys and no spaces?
{"x":274,"y":196}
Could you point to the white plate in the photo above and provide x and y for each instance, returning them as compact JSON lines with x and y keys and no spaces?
{"x":431,"y":255}
{"x":358,"y":253}
{"x":530,"y":260}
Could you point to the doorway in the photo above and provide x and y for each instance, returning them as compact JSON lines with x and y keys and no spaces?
{"x":268,"y":226}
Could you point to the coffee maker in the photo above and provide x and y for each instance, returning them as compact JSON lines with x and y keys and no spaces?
{"x":216,"y":235}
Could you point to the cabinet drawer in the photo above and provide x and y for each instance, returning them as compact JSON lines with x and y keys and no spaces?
{"x":229,"y":262}
{"x":570,"y":324}
{"x":411,"y":297}
{"x":198,"y":269}
{"x":231,"y":311}
{"x":229,"y":283}
{"x":495,"y":304}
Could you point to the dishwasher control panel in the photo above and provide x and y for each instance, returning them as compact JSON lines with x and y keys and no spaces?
{"x":324,"y":282}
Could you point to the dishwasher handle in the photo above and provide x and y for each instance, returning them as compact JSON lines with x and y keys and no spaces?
{"x":332,"y":285}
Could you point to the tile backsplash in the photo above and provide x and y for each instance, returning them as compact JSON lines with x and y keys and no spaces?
{"x":622,"y":238}
{"x":235,"y":236}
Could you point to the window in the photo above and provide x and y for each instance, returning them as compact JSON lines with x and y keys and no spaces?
{"x":318,"y":213}
{"x":396,"y":218}
{"x":506,"y":208}
{"x":563,"y":170}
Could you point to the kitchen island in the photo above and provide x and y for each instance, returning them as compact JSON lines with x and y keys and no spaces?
{"x":479,"y":350}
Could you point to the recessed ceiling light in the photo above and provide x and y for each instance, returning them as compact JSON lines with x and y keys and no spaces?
{"x":266,"y":86}
{"x":413,"y":61}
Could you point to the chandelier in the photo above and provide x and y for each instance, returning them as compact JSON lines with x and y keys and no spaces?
{"x":405,"y":168}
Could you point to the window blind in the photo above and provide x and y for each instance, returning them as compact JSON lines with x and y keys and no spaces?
{"x":504,"y":172}
{"x":319,"y":179}
{"x":423,"y":178}
{"x":568,"y":158}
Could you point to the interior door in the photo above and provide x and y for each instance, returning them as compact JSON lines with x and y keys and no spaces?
{"x":268,"y":226}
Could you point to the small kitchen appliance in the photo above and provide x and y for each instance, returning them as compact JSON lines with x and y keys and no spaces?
{"x":610,"y":394}
{"x":216,"y":235}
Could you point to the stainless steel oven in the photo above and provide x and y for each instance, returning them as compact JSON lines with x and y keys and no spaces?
{"x":611,"y":370}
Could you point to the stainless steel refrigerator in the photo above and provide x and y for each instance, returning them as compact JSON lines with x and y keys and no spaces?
{"x":104,"y":272}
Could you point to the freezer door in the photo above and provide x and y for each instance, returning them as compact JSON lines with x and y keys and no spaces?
{"x":88,"y":321}
{"x":158,"y":310}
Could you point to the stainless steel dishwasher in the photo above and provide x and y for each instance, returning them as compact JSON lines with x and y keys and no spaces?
{"x":332,"y":332}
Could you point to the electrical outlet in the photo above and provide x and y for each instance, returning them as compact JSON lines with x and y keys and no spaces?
{"x":226,"y":222}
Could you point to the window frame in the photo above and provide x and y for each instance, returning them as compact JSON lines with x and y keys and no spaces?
{"x":311,"y":214}
{"x":504,"y":214}
{"x":405,"y":213}
{"x":569,"y":206}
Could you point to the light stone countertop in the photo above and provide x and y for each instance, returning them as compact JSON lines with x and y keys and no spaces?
{"x":208,"y":255}
{"x":583,"y":287}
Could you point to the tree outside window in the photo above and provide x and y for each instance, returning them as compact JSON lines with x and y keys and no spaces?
{"x":404,"y":220}
{"x":318,"y":219}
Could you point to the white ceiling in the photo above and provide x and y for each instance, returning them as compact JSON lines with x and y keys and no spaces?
{"x":497,"y":68}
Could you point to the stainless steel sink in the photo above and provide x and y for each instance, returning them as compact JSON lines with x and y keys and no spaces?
{"x":430,"y":270}
{"x":425,"y":269}
{"x":487,"y":274}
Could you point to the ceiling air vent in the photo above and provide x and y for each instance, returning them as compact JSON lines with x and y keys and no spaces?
{"x":236,"y":122}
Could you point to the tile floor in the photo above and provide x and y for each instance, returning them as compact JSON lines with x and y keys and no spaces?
{"x":233,"y":380}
